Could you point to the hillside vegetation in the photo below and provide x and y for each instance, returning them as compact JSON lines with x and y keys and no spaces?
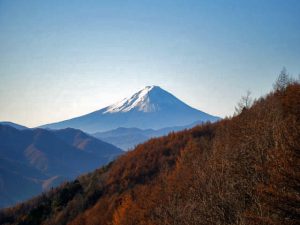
{"x":242,"y":170}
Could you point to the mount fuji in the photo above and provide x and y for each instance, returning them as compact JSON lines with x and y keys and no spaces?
{"x":152,"y":107}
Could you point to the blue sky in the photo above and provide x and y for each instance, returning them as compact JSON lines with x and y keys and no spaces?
{"x":61,"y":59}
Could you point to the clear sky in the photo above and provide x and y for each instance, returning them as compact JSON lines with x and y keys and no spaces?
{"x":60,"y":59}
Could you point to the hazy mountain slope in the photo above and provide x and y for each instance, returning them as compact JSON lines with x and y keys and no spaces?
{"x":88,"y":143}
{"x":14,"y":125}
{"x":240,"y":170}
{"x":128,"y":138}
{"x":14,"y":185}
{"x":35,"y":159}
{"x":151,"y":107}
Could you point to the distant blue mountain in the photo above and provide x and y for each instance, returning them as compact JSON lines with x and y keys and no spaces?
{"x":33,"y":160}
{"x":150,"y":108}
{"x":128,"y":138}
{"x":14,"y":125}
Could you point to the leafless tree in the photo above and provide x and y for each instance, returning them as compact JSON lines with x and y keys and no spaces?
{"x":282,"y":81}
{"x":245,"y":103}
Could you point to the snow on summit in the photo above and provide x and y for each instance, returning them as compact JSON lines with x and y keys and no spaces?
{"x":140,"y":101}
{"x":150,"y":108}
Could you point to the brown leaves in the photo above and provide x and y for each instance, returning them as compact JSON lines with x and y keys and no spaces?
{"x":243,"y":170}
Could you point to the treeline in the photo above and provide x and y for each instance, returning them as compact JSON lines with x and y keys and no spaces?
{"x":241,"y":170}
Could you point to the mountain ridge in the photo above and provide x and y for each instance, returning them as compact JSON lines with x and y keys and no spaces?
{"x":128,"y":138}
{"x":149,"y":108}
{"x":14,"y":125}
{"x":242,"y":169}
{"x":37,"y":159}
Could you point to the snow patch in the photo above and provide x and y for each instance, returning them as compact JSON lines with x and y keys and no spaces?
{"x":140,"y":101}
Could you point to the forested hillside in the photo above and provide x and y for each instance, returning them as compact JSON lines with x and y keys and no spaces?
{"x":241,"y":170}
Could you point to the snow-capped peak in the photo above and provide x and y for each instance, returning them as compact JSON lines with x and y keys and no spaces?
{"x":152,"y":107}
{"x":140,"y":101}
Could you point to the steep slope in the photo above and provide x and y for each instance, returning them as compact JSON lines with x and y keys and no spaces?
{"x":36,"y":159}
{"x":243,"y":170}
{"x":152,"y":107}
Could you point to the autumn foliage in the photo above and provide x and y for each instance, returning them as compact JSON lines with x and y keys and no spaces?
{"x":242,"y":170}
